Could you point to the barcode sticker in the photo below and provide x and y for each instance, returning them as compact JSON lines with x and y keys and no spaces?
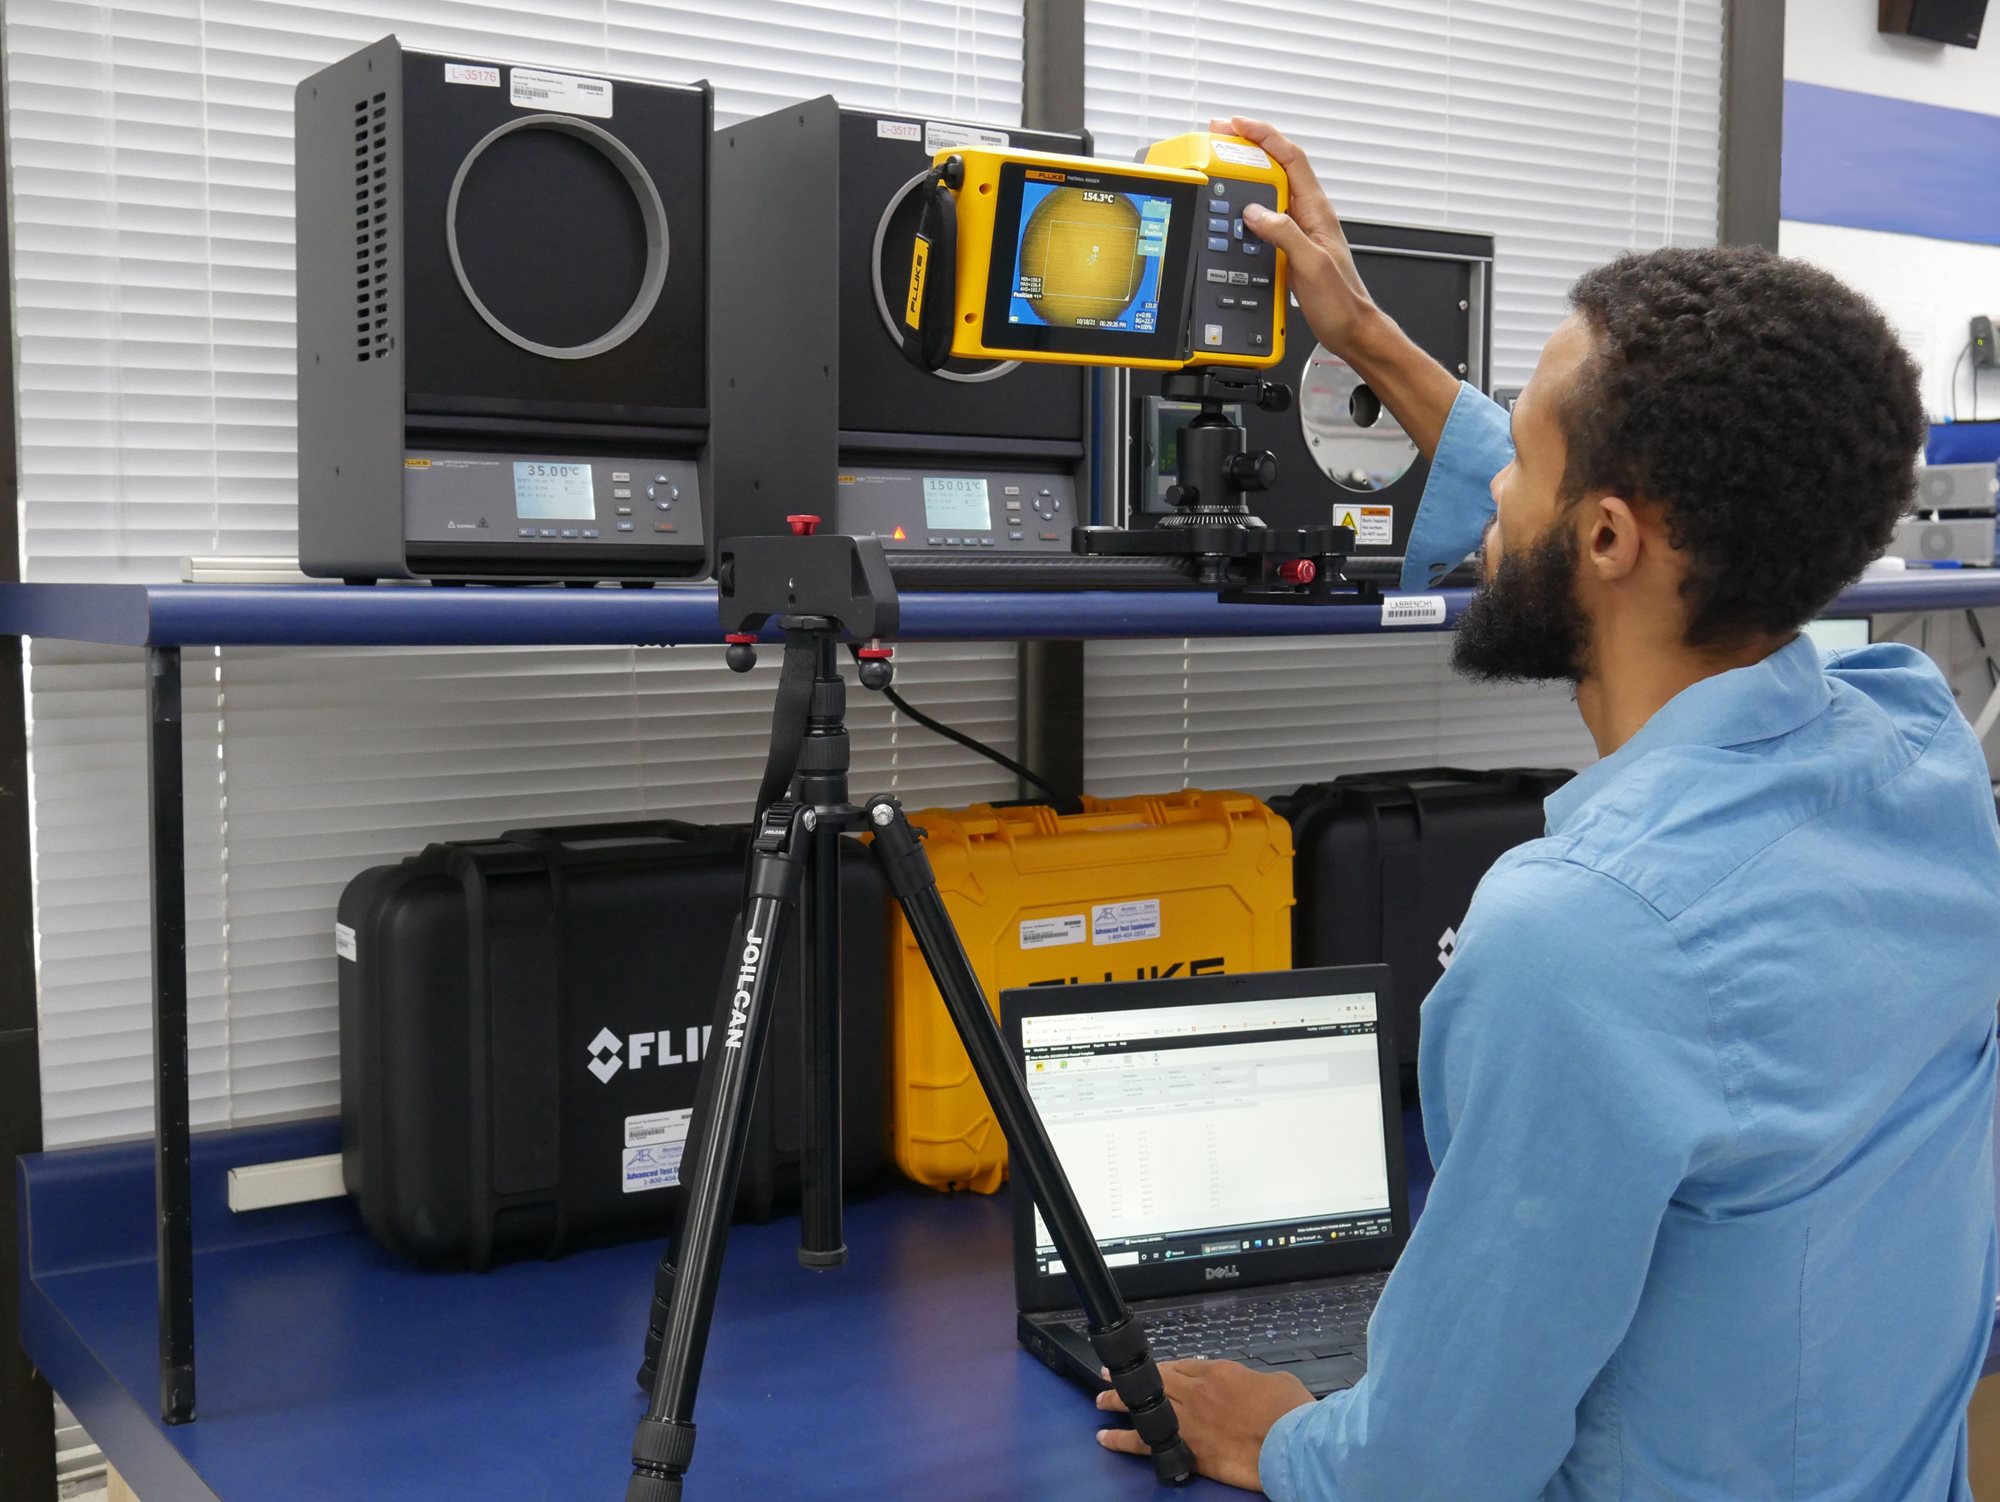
{"x":1413,"y":610}
{"x":657,"y":1126}
{"x":1047,"y":933}
{"x":531,"y":89}
{"x":938,"y":136}
{"x":898,"y":130}
{"x":343,"y":941}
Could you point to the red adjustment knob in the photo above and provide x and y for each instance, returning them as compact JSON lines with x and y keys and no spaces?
{"x":874,"y":654}
{"x":741,"y":638}
{"x":1298,"y":571}
{"x":802,"y":526}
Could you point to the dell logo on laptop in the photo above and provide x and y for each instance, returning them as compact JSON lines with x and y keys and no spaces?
{"x":1216,"y":1274}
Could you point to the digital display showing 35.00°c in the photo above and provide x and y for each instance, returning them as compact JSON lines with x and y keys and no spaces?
{"x":553,"y":491}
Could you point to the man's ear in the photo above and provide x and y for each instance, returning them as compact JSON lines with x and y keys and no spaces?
{"x":1613,"y":539}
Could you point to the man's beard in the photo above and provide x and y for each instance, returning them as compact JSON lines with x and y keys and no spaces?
{"x":1524,"y":624}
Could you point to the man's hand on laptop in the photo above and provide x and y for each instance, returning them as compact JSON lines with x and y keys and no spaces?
{"x":1225,"y":1410}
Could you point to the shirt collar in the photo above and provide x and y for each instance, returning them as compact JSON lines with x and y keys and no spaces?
{"x":1756,"y":703}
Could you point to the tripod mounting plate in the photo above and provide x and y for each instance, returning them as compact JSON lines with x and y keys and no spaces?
{"x":842,"y":579}
{"x":1220,"y":540}
{"x":1217,"y":386}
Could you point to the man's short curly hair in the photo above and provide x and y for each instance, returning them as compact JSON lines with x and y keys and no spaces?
{"x":1768,"y":411}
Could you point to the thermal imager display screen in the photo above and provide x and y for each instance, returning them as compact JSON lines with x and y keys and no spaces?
{"x":1089,"y":258}
{"x":1089,"y":262}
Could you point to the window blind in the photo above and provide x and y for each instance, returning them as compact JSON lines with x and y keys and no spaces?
{"x":1568,"y":129}
{"x":150,"y":145}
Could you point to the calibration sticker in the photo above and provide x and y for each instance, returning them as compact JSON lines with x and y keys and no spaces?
{"x":653,"y":1145}
{"x":1125,"y":922}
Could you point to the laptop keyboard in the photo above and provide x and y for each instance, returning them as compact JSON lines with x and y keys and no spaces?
{"x":1276,"y":1329}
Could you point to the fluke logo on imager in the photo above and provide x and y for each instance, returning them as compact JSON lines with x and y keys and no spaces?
{"x":1214,"y":965}
{"x":610,"y":1053}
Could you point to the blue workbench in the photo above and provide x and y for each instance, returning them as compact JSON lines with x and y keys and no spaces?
{"x":332,"y":1371}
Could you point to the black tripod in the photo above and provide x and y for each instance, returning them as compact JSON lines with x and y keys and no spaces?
{"x":818,"y":588}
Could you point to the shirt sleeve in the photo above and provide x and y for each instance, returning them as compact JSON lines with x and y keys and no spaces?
{"x":1458,"y":500}
{"x":1567,"y":1067}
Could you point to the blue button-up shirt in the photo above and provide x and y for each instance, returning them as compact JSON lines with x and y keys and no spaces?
{"x":1709,"y":1087}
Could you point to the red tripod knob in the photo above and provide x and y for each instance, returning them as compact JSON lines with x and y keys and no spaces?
{"x":1298,"y":571}
{"x":802,"y":526}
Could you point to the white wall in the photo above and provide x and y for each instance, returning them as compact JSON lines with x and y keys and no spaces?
{"x":1929,"y":288}
{"x":1835,"y":43}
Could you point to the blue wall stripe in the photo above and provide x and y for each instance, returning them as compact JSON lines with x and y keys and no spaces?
{"x":1870,"y":162}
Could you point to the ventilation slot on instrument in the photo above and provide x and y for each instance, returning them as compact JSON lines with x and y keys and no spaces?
{"x":371,"y":229}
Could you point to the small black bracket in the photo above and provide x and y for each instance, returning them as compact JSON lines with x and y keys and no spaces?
{"x":844,"y":579}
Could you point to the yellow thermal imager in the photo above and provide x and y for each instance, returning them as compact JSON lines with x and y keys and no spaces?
{"x":1025,"y":255}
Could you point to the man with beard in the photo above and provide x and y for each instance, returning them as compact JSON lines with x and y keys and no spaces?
{"x":1709,"y":1086}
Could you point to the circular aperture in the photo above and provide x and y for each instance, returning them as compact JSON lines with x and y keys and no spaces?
{"x":558,"y":236}
{"x":1351,"y":436}
{"x":895,"y":234}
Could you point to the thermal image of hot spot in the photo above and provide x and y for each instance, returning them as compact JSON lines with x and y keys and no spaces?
{"x":1084,"y":249}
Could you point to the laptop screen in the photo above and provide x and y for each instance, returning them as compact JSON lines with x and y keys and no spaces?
{"x":1221,"y":1132}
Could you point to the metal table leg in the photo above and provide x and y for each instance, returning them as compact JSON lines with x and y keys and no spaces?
{"x":173,"y":1194}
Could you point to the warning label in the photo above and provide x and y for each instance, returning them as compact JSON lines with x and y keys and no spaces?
{"x":1047,"y":933}
{"x":1373,"y":526}
{"x":653,"y":1145}
{"x":1125,"y":922}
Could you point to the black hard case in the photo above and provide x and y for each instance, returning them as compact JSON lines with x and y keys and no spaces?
{"x":473,"y":1127}
{"x":1387,"y":863}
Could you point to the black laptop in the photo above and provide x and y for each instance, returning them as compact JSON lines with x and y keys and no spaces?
{"x":1236,"y":1144}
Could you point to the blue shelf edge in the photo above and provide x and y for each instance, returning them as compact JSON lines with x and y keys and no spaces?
{"x":329,"y":615}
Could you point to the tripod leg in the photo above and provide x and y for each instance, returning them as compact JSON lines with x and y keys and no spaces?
{"x":664,"y":1443}
{"x":1115,"y":1332}
{"x":821,"y":1242}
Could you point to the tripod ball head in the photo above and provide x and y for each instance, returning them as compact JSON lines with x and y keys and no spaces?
{"x":874,"y":668}
{"x":741,"y":654}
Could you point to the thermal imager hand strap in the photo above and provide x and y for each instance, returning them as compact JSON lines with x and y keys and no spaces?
{"x":933,"y":292}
